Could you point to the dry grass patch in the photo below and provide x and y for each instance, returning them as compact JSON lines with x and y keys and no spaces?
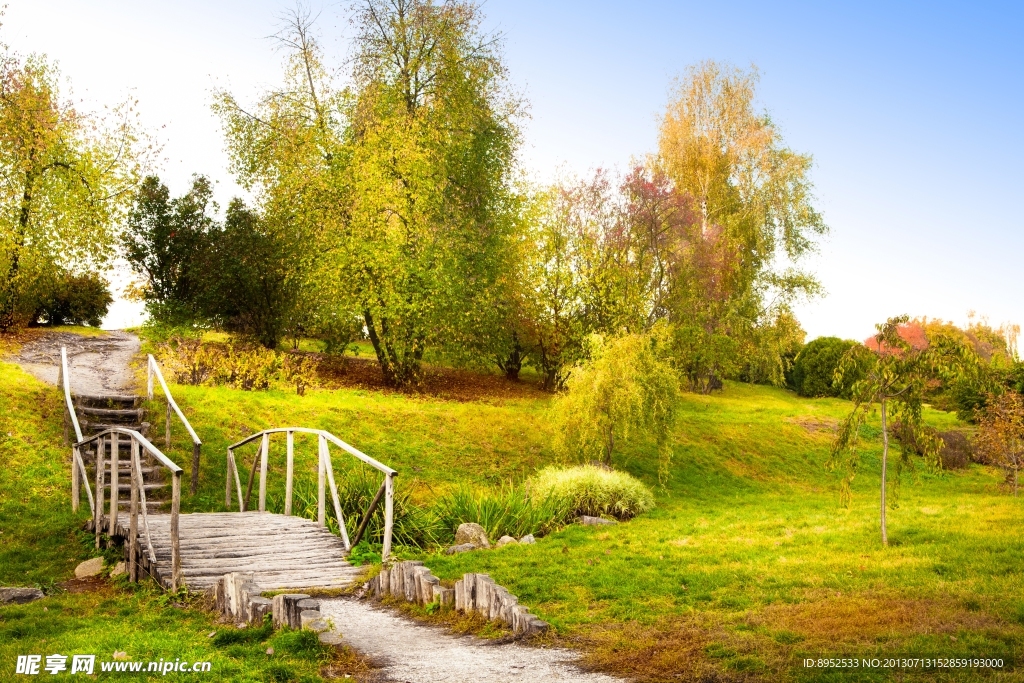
{"x":853,"y":620}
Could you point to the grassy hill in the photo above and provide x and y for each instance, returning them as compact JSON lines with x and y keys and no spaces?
{"x":747,"y":564}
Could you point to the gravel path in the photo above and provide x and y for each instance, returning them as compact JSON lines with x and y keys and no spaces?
{"x":417,"y":653}
{"x":99,"y":366}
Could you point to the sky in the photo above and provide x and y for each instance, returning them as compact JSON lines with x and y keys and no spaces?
{"x":910,"y":110}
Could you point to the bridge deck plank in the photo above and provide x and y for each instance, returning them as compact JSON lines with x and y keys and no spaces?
{"x":282,"y":552}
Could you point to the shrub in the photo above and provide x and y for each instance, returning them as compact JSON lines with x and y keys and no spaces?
{"x":590,"y":490}
{"x":956,"y":452}
{"x":74,"y":300}
{"x":509,"y":511}
{"x":815,"y":366}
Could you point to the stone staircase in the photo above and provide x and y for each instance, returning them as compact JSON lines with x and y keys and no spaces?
{"x":98,"y":413}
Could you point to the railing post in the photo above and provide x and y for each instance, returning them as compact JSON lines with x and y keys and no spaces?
{"x":115,"y":492}
{"x":193,"y":483}
{"x":175,"y":544}
{"x":76,"y":482}
{"x":99,"y":489}
{"x":149,"y":376}
{"x":133,"y":521}
{"x":289,"y":474}
{"x":264,"y":456}
{"x":227,"y":481}
{"x":389,"y":512}
{"x":321,"y":507}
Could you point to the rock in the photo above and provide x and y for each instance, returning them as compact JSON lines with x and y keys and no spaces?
{"x":505,"y":540}
{"x":470,"y":532}
{"x":119,"y":655}
{"x":19,"y":595}
{"x":464,"y":547}
{"x":119,"y":569}
{"x":270,"y":650}
{"x":89,"y":568}
{"x":595,"y":521}
{"x":528,"y":538}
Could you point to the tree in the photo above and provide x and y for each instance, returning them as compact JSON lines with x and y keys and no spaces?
{"x":252,"y":287}
{"x":167,"y":242}
{"x":66,"y":180}
{"x":1001,"y":434}
{"x":432,"y":140}
{"x":754,"y":204}
{"x":623,"y":392}
{"x":898,"y":381}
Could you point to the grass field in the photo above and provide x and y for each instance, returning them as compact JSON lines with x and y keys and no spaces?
{"x":747,"y":564}
{"x":41,"y":542}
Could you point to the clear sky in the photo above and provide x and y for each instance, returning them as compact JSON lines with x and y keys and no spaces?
{"x":911,"y":111}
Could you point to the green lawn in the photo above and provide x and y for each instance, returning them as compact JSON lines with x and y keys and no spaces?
{"x":747,"y":564}
{"x":41,"y":542}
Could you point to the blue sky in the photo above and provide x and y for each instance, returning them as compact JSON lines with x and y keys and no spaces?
{"x":911,"y":112}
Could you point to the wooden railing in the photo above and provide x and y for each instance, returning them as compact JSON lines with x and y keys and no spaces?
{"x":325,"y":478}
{"x":153,"y":369}
{"x":78,"y":474}
{"x":111,"y":437}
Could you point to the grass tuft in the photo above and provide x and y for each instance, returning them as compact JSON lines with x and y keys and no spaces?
{"x":590,"y":490}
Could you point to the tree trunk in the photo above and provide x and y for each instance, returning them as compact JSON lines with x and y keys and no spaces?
{"x":609,"y":448}
{"x":512,"y":363}
{"x":885,"y":459}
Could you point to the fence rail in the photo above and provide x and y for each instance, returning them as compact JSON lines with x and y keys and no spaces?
{"x":325,"y":478}
{"x":110,"y":438}
{"x":153,"y":370}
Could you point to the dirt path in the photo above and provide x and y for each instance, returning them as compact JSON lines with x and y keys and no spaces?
{"x":99,"y":366}
{"x":416,"y":653}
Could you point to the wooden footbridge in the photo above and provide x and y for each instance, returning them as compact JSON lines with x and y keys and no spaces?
{"x":195,"y":550}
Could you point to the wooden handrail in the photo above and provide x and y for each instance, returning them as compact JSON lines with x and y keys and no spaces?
{"x":78,"y":474}
{"x":325,"y":480}
{"x":153,"y":369}
{"x":330,"y":437}
{"x":112,"y":435}
{"x":67,"y":392}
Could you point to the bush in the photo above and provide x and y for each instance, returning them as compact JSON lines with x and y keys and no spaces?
{"x":815,"y":367}
{"x":590,"y":490}
{"x":74,"y":300}
{"x":510,"y":511}
{"x":956,"y":452}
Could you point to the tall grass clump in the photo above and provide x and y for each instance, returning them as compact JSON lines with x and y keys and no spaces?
{"x":509,"y":511}
{"x":414,"y":526}
{"x":590,"y":490}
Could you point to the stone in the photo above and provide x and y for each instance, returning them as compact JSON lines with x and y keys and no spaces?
{"x":89,"y":568}
{"x":587,"y":520}
{"x":471,"y":532}
{"x":119,"y":568}
{"x":527,"y":539}
{"x":461,"y":548}
{"x":19,"y":595}
{"x":505,"y":540}
{"x":308,"y":603}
